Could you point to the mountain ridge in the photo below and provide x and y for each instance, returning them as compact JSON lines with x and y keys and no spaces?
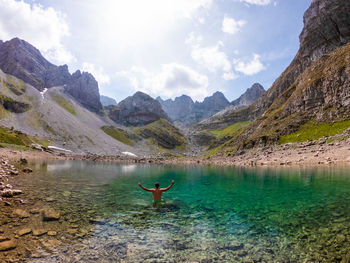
{"x":24,"y":61}
{"x":305,"y":87}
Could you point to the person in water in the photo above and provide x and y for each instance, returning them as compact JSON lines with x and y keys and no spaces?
{"x":157,"y":193}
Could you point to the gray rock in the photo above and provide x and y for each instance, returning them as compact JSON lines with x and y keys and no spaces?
{"x":84,"y":88}
{"x":24,"y":61}
{"x":187,"y":112}
{"x":137,"y":110}
{"x":250,"y":96}
{"x":107,"y":101}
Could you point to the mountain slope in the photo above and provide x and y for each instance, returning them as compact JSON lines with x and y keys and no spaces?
{"x":57,"y":117}
{"x":315,"y":86}
{"x":24,"y":61}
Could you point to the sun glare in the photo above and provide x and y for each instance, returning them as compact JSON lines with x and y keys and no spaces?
{"x":140,"y":19}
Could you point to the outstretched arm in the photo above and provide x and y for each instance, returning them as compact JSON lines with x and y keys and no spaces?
{"x":144,"y":188}
{"x":166,"y":189}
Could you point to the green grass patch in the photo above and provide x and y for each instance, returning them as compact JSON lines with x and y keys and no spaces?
{"x":9,"y":136}
{"x":16,"y":87}
{"x":118,"y":134}
{"x":42,"y":141}
{"x":314,"y":130}
{"x":226,"y":137}
{"x":164,"y":134}
{"x":65,"y":104}
{"x":231,"y":130}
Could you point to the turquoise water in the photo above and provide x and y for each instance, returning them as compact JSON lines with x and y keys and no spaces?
{"x":212,"y":214}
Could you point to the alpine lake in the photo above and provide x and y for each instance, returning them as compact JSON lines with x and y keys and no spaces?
{"x":211,"y":214}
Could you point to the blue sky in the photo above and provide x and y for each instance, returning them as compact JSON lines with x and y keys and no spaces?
{"x":163,"y":47}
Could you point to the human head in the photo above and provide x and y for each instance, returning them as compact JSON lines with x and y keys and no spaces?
{"x":156,"y":185}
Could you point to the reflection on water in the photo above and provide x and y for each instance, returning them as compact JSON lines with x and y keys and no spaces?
{"x":211,"y":214}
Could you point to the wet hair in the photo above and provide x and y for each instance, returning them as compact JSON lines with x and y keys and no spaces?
{"x":156,"y":185}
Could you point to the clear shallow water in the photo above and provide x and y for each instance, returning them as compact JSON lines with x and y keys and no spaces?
{"x":213,"y":214}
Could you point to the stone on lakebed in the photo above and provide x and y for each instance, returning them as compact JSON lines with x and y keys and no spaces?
{"x":24,"y":231}
{"x":50,"y":215}
{"x":21,"y":213}
{"x":7,"y":245}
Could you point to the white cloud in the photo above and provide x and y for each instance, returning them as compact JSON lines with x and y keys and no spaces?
{"x":257,"y":2}
{"x":44,"y":28}
{"x":173,"y":80}
{"x":97,"y":72}
{"x":229,"y":76}
{"x":211,"y":58}
{"x":231,"y":26}
{"x":249,"y":68}
{"x":192,"y":39}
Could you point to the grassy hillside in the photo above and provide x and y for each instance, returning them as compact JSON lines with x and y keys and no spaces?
{"x":164,"y":134}
{"x":118,"y":134}
{"x":225,"y":137}
{"x":8,"y":136}
{"x":314,"y":130}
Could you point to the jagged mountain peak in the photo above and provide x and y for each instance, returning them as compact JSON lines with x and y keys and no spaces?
{"x":24,"y":61}
{"x":249,"y":96}
{"x":137,"y":110}
{"x":313,"y":88}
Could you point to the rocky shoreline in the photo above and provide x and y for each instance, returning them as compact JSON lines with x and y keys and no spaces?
{"x":333,"y":150}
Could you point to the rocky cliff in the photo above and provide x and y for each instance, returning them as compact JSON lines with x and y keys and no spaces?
{"x":184,"y":111}
{"x":249,"y":96}
{"x":179,"y":108}
{"x":137,"y":110}
{"x":315,"y":86}
{"x":24,"y":61}
{"x":106,"y":101}
{"x":84,"y":88}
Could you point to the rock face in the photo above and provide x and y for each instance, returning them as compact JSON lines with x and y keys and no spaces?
{"x":106,"y":101}
{"x":179,"y":108}
{"x":137,"y":110}
{"x":84,"y":88}
{"x":24,"y":61}
{"x":250,"y":96}
{"x":315,"y":86}
{"x":184,"y":111}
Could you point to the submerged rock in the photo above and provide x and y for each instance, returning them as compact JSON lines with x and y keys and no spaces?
{"x":10,"y":192}
{"x":24,"y":231}
{"x":39,"y":232}
{"x":7,"y":245}
{"x":21,"y":213}
{"x":50,"y":215}
{"x":4,"y":238}
{"x":27,"y":170}
{"x":51,"y":233}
